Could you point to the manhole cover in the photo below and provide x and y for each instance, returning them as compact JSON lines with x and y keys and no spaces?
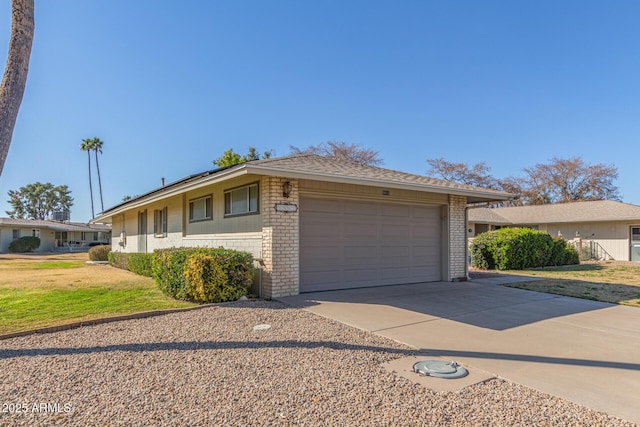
{"x":440,"y":369}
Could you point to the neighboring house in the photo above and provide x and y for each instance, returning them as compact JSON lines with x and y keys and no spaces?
{"x":313,"y":223}
{"x":610,"y":229}
{"x":53,"y":235}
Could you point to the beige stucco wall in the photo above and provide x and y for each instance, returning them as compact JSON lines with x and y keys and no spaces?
{"x":241,"y":233}
{"x":613,"y":236}
{"x":46,"y":237}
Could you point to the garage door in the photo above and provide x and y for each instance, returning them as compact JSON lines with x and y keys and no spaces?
{"x":350,"y":244}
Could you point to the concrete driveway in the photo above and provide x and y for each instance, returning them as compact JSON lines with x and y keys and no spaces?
{"x":583,"y":351}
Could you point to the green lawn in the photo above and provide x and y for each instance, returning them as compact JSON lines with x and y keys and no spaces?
{"x":42,"y":292}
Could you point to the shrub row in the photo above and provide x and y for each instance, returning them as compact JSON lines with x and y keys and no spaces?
{"x":195,"y":274}
{"x":520,"y":248}
{"x":100,"y":253}
{"x":139,"y":263}
{"x":24,"y":244}
{"x":203,"y":274}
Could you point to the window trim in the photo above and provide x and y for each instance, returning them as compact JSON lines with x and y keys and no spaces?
{"x":160,"y":222}
{"x":228,"y":192}
{"x":208,"y":207}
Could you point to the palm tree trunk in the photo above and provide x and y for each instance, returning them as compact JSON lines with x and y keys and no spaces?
{"x":15,"y":73}
{"x":99,"y":181}
{"x":93,"y":213}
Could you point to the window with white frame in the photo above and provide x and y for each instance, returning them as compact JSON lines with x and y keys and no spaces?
{"x":16,"y":234}
{"x":200,"y":209}
{"x":160,"y":222}
{"x":35,"y":232}
{"x":241,"y":200}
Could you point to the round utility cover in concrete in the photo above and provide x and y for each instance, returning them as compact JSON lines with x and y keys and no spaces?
{"x":440,"y":369}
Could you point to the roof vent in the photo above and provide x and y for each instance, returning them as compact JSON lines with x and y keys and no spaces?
{"x":440,"y":369}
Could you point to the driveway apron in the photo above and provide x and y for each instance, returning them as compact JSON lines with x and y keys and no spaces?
{"x":583,"y":351}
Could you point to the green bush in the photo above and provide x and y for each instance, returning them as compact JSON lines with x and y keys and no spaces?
{"x":99,"y":253}
{"x":519,"y":248}
{"x":136,"y":262}
{"x":24,"y":244}
{"x":140,"y":263}
{"x":482,"y":251}
{"x":203,"y":274}
{"x":118,"y":260}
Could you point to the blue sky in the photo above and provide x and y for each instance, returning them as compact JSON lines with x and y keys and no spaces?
{"x":170,"y":85}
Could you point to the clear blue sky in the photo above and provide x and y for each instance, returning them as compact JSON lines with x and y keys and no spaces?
{"x":169,"y":85}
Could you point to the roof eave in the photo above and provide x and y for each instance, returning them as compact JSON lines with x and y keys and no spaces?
{"x":478,"y":196}
{"x":159,"y":194}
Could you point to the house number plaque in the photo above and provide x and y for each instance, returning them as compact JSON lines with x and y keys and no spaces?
{"x":286,"y":207}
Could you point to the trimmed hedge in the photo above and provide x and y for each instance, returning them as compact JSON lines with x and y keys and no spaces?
{"x":99,"y":253}
{"x":136,"y":262}
{"x":24,"y":244}
{"x":203,"y":274}
{"x":520,"y":248}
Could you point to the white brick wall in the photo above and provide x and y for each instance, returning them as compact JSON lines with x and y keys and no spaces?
{"x":280,"y":240}
{"x":457,"y":238}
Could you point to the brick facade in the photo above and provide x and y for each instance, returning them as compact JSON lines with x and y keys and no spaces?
{"x":457,"y":238}
{"x":280,"y":239}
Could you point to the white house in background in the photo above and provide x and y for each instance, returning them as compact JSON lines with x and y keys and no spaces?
{"x":53,"y":235}
{"x":611,"y":230}
{"x":315,"y":223}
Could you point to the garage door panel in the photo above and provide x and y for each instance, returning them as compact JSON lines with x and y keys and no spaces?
{"x":350,"y":244}
{"x":360,"y":208}
{"x":360,"y":255}
{"x":359,"y":230}
{"x":395,"y":211}
{"x":395,"y":231}
{"x":322,"y":229}
{"x":396,"y":273}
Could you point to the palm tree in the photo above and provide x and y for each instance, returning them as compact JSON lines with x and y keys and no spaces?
{"x":87,"y":145}
{"x":15,"y":73}
{"x":97,"y":147}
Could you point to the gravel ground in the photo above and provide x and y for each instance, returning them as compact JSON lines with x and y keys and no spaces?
{"x":209,"y":367}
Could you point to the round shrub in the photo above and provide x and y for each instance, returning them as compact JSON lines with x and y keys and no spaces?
{"x":205,"y":281}
{"x":519,"y":248}
{"x":99,"y":253}
{"x":24,"y":244}
{"x":188,"y":273}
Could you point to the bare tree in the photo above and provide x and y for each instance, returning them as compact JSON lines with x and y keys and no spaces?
{"x":477,"y":175}
{"x":342,"y":151}
{"x":569,"y":180}
{"x":15,"y":73}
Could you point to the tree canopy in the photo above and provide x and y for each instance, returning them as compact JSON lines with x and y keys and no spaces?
{"x":559,"y":181}
{"x":39,"y":201}
{"x":231,"y":158}
{"x":342,"y":151}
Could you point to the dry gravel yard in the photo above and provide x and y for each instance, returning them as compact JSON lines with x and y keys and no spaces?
{"x":209,"y":367}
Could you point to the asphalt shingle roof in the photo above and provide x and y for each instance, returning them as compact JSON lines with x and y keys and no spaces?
{"x":588,"y":211}
{"x":55,"y":225}
{"x":312,"y":166}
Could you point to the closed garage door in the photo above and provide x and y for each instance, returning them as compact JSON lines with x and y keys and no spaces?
{"x":350,"y":244}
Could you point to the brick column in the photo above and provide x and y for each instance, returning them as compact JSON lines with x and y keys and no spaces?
{"x":280,"y":239}
{"x":457,"y":238}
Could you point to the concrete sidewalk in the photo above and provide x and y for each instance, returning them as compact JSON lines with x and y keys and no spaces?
{"x":583,"y":351}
